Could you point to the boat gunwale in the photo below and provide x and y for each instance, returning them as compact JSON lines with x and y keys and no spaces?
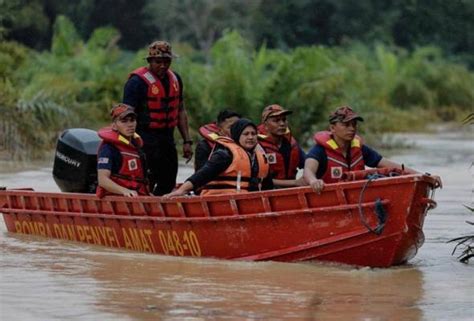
{"x":326,"y":209}
{"x":224,"y":197}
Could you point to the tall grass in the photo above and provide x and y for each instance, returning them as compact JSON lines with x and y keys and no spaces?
{"x":77,"y":81}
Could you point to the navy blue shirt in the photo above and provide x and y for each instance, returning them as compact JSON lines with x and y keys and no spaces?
{"x":109,"y":158}
{"x":371,"y":158}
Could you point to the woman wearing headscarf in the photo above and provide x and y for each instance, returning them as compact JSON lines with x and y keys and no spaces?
{"x":235,"y":165}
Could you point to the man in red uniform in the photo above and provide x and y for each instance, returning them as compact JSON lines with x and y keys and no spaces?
{"x":156,"y":94}
{"x":283,"y":152}
{"x":120,"y":162}
{"x":340,"y":150}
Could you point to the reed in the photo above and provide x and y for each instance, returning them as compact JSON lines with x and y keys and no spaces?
{"x":465,"y":244}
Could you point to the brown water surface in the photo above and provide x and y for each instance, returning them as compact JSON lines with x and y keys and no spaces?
{"x":43,"y":279}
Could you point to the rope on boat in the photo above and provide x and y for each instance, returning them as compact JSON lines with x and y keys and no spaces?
{"x":379,"y":209}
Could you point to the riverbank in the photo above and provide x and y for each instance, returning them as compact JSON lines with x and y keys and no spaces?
{"x":388,"y":144}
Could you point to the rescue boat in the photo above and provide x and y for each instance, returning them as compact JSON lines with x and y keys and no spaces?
{"x":373,"y":218}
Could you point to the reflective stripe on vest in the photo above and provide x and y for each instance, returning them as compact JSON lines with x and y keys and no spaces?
{"x":337,"y":162}
{"x":163,"y":109}
{"x":237,"y":177}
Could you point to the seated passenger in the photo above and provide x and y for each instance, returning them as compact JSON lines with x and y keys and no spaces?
{"x":283,"y":153}
{"x":120,"y":161}
{"x":340,"y":150}
{"x":235,"y":165}
{"x":210,"y":132}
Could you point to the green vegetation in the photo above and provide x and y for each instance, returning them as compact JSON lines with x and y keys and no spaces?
{"x":280,"y":24}
{"x":465,"y":244}
{"x":76,"y":82}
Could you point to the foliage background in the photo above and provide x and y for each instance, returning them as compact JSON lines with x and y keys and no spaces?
{"x":402,"y":64}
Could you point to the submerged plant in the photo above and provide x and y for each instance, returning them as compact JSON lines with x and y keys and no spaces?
{"x":465,"y":244}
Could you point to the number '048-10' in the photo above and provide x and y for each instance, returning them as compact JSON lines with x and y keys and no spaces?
{"x":174,"y":244}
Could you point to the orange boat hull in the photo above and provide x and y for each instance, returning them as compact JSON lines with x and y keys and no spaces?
{"x":287,"y":225}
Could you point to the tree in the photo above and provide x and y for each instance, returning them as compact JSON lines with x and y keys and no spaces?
{"x":24,"y":21}
{"x":447,"y":24}
{"x":200,"y":22}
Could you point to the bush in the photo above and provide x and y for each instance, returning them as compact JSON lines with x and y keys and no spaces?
{"x":76,"y":83}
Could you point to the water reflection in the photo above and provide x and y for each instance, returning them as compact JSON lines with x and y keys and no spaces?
{"x":170,"y":288}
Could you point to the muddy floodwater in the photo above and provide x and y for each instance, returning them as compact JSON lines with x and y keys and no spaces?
{"x":44,"y":279}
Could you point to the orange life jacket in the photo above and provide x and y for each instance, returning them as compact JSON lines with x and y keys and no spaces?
{"x":241,"y":166}
{"x":337,"y":163}
{"x":132,"y":173}
{"x":275,"y":158}
{"x":163,"y":109}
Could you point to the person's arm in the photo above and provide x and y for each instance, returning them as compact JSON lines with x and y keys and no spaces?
{"x":108,"y":184}
{"x":184,"y":131}
{"x":311,"y":166}
{"x":135,"y":92}
{"x":384,"y":163}
{"x":182,"y":190}
{"x":289,"y":182}
{"x":183,"y":122}
{"x":302,"y":157}
{"x":373,"y":159}
{"x":221,"y":158}
{"x":314,"y":167}
{"x":201,"y":154}
{"x":219,"y":161}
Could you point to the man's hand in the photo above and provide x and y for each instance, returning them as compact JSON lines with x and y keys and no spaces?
{"x":187,"y":152}
{"x":317,"y":185}
{"x":300,"y":182}
{"x":173,"y":194}
{"x":129,"y":193}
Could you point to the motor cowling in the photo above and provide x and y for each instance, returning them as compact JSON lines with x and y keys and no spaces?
{"x":75,"y":161}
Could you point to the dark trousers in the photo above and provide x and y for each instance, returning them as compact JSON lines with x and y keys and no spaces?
{"x":162,"y":162}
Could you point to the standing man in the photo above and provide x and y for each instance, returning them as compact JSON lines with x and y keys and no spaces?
{"x":156,"y":93}
{"x":340,"y":150}
{"x":283,"y":152}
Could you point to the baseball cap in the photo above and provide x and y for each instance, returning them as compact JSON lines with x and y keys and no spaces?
{"x":344,"y":114}
{"x":274,"y":110}
{"x":120,"y":111}
{"x":160,"y":49}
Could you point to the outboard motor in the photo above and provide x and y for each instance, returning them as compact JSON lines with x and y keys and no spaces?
{"x":75,"y":161}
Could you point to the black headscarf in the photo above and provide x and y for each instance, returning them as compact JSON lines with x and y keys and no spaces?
{"x":238,"y":127}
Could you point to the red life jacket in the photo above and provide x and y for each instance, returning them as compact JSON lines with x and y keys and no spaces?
{"x":228,"y":181}
{"x":132,"y":173}
{"x":163,"y":109}
{"x":210,"y":132}
{"x":275,"y":158}
{"x":337,"y":163}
